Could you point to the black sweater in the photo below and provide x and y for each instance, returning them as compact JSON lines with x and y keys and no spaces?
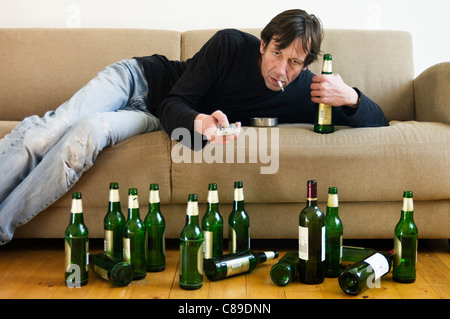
{"x":224,"y":76}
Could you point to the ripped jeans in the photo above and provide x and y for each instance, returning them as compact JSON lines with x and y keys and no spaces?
{"x":43,"y":157}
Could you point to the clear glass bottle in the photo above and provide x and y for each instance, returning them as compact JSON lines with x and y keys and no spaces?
{"x":134,"y":238}
{"x":238,"y":222}
{"x":212,"y":225}
{"x":76,"y":239}
{"x":155,"y":225}
{"x":113,"y":224}
{"x":235,"y":264}
{"x":405,"y":243}
{"x":311,"y":239}
{"x":191,"y":248}
{"x":333,"y":235}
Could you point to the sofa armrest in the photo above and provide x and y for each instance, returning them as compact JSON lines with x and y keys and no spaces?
{"x":432,"y":94}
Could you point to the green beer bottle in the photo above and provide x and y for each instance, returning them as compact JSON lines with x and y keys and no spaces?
{"x":155,"y":225}
{"x":234,"y":264}
{"x":405,"y":243}
{"x":118,"y":272}
{"x":134,"y":238}
{"x":212,"y":225}
{"x":191,"y":248}
{"x":113,"y":224}
{"x":353,"y":254}
{"x":324,"y":113}
{"x":238,"y":222}
{"x":311,"y":251}
{"x":365,"y":273}
{"x":76,"y":239}
{"x":333,"y":235}
{"x":286,"y":269}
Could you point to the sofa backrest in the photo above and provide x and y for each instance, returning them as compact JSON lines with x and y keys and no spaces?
{"x":42,"y":68}
{"x":379,"y":63}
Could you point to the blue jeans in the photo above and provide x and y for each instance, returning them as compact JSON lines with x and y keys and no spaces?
{"x":43,"y":157}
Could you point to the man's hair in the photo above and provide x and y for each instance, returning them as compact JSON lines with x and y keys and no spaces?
{"x":292,"y":24}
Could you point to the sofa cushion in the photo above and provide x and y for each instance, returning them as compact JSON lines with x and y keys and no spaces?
{"x":366,"y":164}
{"x":45,"y":67}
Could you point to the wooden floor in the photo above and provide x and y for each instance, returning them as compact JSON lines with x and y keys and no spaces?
{"x":35,"y":269}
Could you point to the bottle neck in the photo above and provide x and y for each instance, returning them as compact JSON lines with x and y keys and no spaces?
{"x":76,"y":215}
{"x":332,"y":204}
{"x":238,"y":199}
{"x":407,"y":208}
{"x":192,"y":213}
{"x":311,"y":194}
{"x":265,"y":256}
{"x":213,"y":201}
{"x":133,"y":207}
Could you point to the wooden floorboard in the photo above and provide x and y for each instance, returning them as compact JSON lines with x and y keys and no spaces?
{"x":34,"y":269}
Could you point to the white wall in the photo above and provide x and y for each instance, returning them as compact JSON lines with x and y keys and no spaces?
{"x":427,"y":21}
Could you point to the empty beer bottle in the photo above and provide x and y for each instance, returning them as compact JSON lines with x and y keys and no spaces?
{"x":238,"y":222}
{"x":353,"y":254}
{"x":365,"y":273}
{"x":76,"y":240}
{"x":118,"y":272}
{"x":333,"y":235}
{"x":212,"y":225}
{"x":286,"y":269}
{"x":405,"y":243}
{"x":134,"y":238}
{"x":324,"y":112}
{"x":155,"y":225}
{"x":113,"y":224}
{"x":311,"y":239}
{"x":236,"y":263}
{"x":191,"y":248}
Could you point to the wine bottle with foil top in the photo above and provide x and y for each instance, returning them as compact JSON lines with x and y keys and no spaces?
{"x":333,"y":235}
{"x":405,"y":243}
{"x":286,"y":269}
{"x":324,"y":115}
{"x":76,"y":239}
{"x":229,"y":265}
{"x":212,"y":225}
{"x":365,"y":273}
{"x":118,"y":272}
{"x":113,"y":224}
{"x":238,"y":222}
{"x":155,"y":226}
{"x":134,"y":238}
{"x":311,"y":251}
{"x":191,"y":248}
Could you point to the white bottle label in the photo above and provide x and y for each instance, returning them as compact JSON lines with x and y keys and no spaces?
{"x":208,"y":242}
{"x":379,"y":264}
{"x":303,"y":242}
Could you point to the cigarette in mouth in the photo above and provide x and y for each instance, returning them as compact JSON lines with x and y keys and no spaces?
{"x":281,"y":86}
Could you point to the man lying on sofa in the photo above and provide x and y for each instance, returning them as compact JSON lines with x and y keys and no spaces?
{"x":233,"y":78}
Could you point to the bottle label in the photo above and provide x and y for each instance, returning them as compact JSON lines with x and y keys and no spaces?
{"x":192,"y":209}
{"x":332,"y":200}
{"x":232,"y":240}
{"x":200,"y":253}
{"x":127,"y":250}
{"x":133,"y":201}
{"x":101,"y":272}
{"x":237,"y":266}
{"x":303,"y":242}
{"x":379,"y":264}
{"x":153,"y":197}
{"x":269,"y":255}
{"x":238,"y":194}
{"x":408,"y":205}
{"x":208,"y":242}
{"x":108,"y":242}
{"x":327,"y":67}
{"x":325,"y":114}
{"x":77,"y":206}
{"x":213,"y":197}
{"x":114,"y":195}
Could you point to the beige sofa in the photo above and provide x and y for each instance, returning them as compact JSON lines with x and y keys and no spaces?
{"x":41,"y":68}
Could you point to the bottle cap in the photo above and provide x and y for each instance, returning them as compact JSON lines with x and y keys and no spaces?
{"x":312,"y":189}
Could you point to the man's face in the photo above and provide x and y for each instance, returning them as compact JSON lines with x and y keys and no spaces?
{"x":281,"y":65}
